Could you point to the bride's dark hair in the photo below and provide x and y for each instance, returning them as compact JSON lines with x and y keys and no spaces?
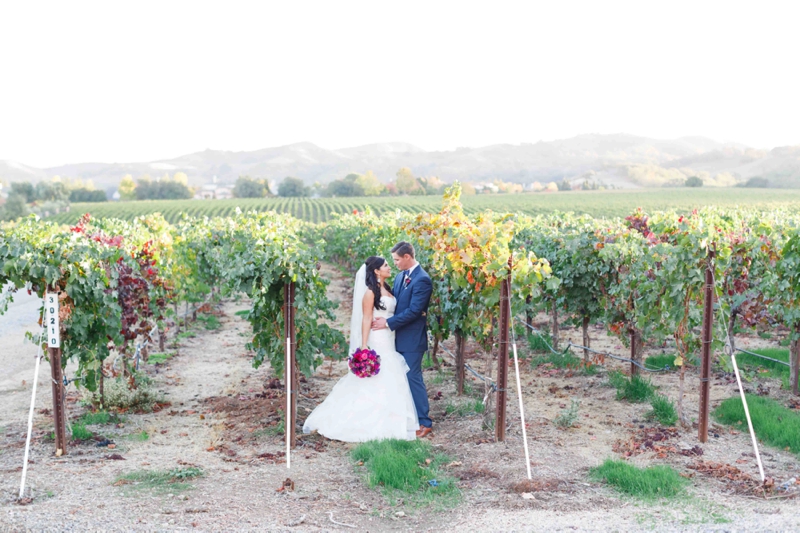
{"x":374,"y":263}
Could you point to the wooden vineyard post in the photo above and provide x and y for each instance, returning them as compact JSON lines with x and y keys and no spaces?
{"x":705,"y":373}
{"x":637,"y":344}
{"x":461,"y":342}
{"x":585,"y":328}
{"x":291,"y":371}
{"x":54,"y":354}
{"x":555,"y":325}
{"x":794,"y":364}
{"x":502,"y":360}
{"x":434,"y":351}
{"x":101,"y":387}
{"x":528,"y":312}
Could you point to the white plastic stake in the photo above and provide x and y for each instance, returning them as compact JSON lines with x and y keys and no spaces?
{"x":747,"y":415}
{"x":522,"y":412}
{"x":288,"y":417}
{"x":30,"y":419}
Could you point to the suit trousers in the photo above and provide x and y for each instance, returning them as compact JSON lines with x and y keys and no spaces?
{"x":418,"y":390}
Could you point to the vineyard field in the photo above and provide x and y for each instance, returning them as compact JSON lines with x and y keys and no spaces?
{"x":594,"y":203}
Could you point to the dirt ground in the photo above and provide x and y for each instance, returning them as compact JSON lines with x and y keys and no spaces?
{"x":222,"y":417}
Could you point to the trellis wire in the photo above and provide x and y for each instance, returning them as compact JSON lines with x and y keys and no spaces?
{"x":570,"y":344}
{"x":483,"y":378}
{"x":763,"y":357}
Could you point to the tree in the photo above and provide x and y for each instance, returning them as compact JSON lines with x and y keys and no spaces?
{"x":144,"y":188}
{"x":370,"y":184}
{"x":181,"y":177}
{"x":24,"y":189}
{"x":247,"y":187}
{"x":165,"y":189}
{"x":564,"y":185}
{"x":87,"y":195}
{"x":432,"y":185}
{"x":55,"y":191}
{"x":346,"y":186}
{"x":127,"y":188}
{"x":757,"y":182}
{"x":293,"y":187}
{"x":694,"y":181}
{"x":172,"y":190}
{"x":406,"y":182}
{"x":14,"y":208}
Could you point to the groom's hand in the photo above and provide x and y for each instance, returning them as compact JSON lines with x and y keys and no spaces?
{"x":379,"y":323}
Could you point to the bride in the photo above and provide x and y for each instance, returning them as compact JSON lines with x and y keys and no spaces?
{"x":377,"y":407}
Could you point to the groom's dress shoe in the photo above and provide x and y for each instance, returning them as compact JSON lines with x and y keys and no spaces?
{"x":423,"y":432}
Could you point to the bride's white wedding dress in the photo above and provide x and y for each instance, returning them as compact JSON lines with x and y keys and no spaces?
{"x":378,"y":407}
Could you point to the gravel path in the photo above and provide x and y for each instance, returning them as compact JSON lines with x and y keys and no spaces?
{"x":219,"y":420}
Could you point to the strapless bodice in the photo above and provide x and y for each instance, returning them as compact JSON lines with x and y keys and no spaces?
{"x":389,"y":302}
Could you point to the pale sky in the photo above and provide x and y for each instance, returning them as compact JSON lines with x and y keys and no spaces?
{"x":142,"y":81}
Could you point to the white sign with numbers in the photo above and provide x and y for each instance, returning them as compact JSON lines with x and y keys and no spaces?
{"x":51,"y":319}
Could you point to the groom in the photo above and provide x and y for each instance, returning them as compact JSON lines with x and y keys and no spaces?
{"x":412,"y":289}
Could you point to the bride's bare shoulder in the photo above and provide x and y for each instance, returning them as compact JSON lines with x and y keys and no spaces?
{"x":369,"y":297}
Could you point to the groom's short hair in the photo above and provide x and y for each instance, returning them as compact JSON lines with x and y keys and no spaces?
{"x":403,"y":248}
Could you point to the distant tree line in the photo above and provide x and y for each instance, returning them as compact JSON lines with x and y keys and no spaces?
{"x":368,"y":184}
{"x":163,"y":188}
{"x":46,"y":197}
{"x":247,"y":187}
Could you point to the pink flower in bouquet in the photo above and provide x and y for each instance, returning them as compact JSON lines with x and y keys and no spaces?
{"x":365,"y":363}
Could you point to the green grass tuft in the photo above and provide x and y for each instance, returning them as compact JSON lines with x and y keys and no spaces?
{"x":773,"y":423}
{"x":568,"y":360}
{"x":636,"y":389}
{"x":211,"y":322}
{"x":160,"y":481}
{"x":663,"y":410}
{"x":616,"y":379}
{"x":540,"y":342}
{"x":465,"y":408}
{"x":568,"y":416}
{"x":658,"y":362}
{"x":774,"y":370}
{"x":646,"y":483}
{"x":79,"y":432}
{"x":438,"y":378}
{"x":159,"y":357}
{"x":99,"y":418}
{"x":407,"y":467}
{"x":141,"y":436}
{"x":272,"y":431}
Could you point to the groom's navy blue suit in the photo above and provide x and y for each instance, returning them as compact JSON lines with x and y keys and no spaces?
{"x":410,"y":324}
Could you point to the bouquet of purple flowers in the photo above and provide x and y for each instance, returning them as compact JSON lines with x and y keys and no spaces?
{"x":365,"y":363}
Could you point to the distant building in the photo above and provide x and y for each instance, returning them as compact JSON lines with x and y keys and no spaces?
{"x":212,"y":191}
{"x":486,"y":188}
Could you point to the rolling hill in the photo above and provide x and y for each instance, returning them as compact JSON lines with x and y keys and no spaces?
{"x":615,"y":160}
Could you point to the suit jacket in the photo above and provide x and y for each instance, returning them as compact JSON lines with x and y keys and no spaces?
{"x":410,"y":320}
